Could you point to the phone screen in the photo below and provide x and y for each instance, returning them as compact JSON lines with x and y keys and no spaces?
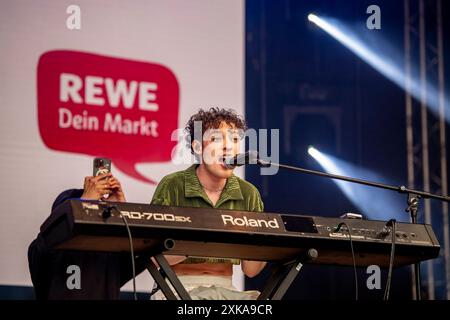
{"x":102,"y":166}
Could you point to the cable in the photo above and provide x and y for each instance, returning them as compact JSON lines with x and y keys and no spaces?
{"x":353,"y":254}
{"x":391,"y":260}
{"x":131,"y":250}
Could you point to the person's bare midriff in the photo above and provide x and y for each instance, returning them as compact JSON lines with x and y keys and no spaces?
{"x":218,"y":269}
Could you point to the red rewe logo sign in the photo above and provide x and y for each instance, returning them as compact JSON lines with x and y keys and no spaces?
{"x":101,"y":106}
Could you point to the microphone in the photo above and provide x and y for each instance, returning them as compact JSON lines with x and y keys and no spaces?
{"x":250,"y":157}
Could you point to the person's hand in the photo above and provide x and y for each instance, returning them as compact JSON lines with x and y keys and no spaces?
{"x":103,"y":187}
{"x":95,"y":188}
{"x":116,"y":192}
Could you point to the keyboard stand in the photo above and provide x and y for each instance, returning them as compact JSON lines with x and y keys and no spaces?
{"x":282,"y":277}
{"x":166,"y":271}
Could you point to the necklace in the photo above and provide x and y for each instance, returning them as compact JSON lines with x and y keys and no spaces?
{"x":207,"y":189}
{"x":210,"y":190}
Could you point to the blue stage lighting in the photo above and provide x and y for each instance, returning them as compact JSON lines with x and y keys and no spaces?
{"x":374,"y":203}
{"x":382,"y":57}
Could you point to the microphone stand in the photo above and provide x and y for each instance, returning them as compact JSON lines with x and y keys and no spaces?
{"x":413,"y":201}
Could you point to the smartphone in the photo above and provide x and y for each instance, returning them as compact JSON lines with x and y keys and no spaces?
{"x":102,"y":166}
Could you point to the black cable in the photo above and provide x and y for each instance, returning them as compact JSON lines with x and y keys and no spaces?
{"x":353,"y":254}
{"x":131,"y":250}
{"x":391,"y":260}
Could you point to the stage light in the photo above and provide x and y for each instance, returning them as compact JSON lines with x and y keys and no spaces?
{"x":382,"y":56}
{"x":312,"y":17}
{"x":374,"y":203}
{"x":311,"y":150}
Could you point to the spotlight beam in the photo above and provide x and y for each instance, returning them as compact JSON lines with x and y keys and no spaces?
{"x":385,"y":63}
{"x":349,"y":40}
{"x":370,"y":203}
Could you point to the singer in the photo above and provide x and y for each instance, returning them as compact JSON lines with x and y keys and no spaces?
{"x":211,"y":183}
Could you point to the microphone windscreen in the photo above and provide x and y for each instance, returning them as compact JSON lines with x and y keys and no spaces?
{"x":249,"y":157}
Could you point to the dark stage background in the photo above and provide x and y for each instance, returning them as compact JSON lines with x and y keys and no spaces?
{"x":317,"y":92}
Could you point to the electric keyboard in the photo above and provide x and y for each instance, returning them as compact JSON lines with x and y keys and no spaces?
{"x":98,"y":226}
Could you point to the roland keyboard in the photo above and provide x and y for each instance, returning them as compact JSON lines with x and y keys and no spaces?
{"x":96,"y":226}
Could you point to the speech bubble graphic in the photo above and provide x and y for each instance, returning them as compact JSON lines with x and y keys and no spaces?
{"x":107,"y":107}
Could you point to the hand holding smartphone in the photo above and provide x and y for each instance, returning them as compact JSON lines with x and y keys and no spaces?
{"x":100,"y":187}
{"x":97,"y":186}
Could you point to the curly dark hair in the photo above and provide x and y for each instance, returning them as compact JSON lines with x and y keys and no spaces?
{"x":211,"y":119}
